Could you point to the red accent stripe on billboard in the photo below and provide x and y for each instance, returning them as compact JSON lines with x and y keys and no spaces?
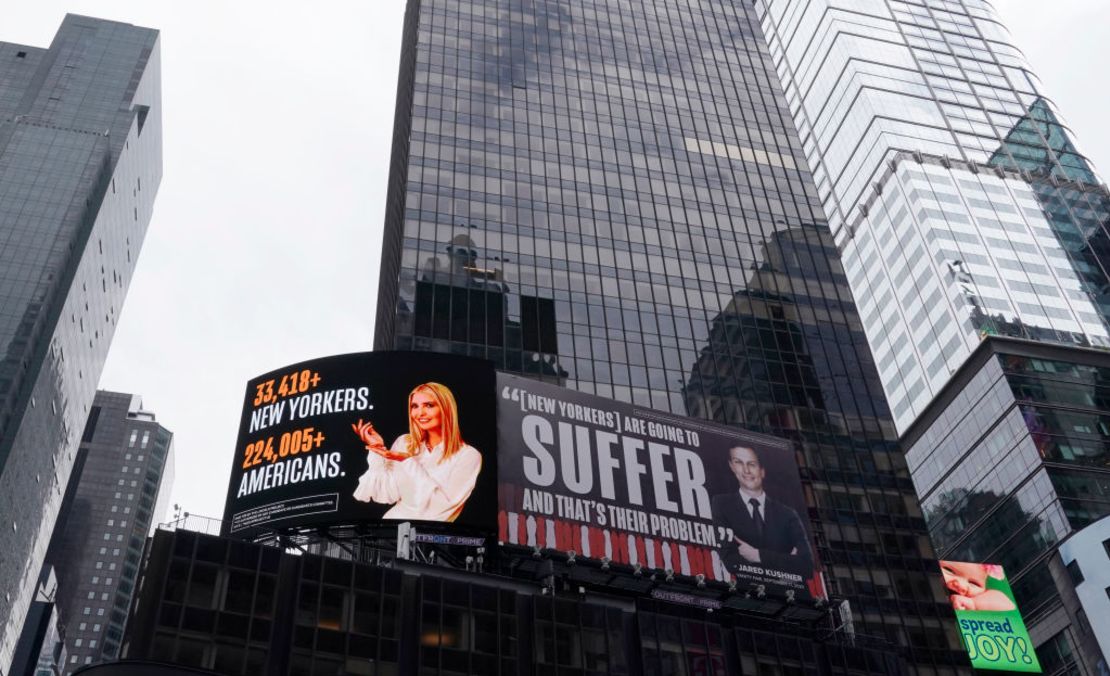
{"x":597,"y":542}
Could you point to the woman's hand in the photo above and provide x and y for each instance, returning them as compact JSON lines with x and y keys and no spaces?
{"x":374,"y":442}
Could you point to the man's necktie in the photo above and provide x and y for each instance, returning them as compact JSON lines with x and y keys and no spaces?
{"x":757,"y":517}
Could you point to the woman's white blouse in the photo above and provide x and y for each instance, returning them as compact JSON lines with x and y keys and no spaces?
{"x":420,"y":488}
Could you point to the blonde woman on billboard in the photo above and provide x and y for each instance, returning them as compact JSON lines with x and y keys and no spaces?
{"x":429,"y":473}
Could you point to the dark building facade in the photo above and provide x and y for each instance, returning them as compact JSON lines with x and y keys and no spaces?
{"x":640,"y":223}
{"x":241,"y":608}
{"x":142,"y":668}
{"x":119,"y":490}
{"x":80,"y":163}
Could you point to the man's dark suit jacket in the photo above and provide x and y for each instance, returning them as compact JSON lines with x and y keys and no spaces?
{"x":782,"y":533}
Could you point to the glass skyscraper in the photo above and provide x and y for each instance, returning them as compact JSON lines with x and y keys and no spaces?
{"x":612,"y":196}
{"x":974,"y":237}
{"x":80,"y":163}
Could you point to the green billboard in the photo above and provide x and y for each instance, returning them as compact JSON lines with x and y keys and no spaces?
{"x":990,"y":623}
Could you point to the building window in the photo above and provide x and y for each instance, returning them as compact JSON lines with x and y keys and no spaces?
{"x":146,"y":438}
{"x":537,"y":324}
{"x":1055,"y":653}
{"x":1075,"y":573}
{"x":134,"y":436}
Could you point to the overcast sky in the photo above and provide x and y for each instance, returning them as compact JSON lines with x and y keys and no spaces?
{"x":266,"y":236}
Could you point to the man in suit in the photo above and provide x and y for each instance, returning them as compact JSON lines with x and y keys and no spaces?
{"x":765,"y":532}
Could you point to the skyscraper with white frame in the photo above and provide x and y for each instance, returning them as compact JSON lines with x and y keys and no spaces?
{"x":974,"y":237}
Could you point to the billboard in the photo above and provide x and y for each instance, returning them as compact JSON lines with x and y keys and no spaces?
{"x":602,"y":478}
{"x":405,"y":436}
{"x":990,"y":624}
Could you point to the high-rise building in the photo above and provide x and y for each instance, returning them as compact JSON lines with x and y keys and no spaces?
{"x":80,"y":163}
{"x":612,"y":196}
{"x":118,"y":491}
{"x":974,"y":236}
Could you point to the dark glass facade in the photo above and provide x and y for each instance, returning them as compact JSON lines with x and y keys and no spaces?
{"x":1012,"y":459}
{"x":40,"y":650}
{"x":240,"y":608}
{"x":80,"y":164}
{"x":612,"y":197}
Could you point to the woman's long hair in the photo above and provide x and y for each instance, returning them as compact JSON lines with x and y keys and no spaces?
{"x":448,"y":421}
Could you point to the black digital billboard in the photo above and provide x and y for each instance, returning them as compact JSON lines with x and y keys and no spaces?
{"x":602,"y":478}
{"x":366,"y":437}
